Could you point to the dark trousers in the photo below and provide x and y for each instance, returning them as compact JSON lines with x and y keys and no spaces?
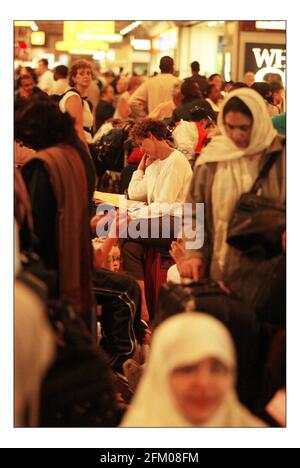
{"x":120,"y":297}
{"x":133,"y":249}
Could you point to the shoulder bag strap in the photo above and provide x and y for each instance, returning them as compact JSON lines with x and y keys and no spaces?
{"x":265,"y":171}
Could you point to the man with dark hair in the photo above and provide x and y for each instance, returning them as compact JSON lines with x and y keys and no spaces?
{"x":105,"y":109}
{"x":216,"y":80}
{"x":26,"y":89}
{"x":264,"y":89}
{"x":166,"y":64}
{"x":278,"y":96}
{"x":191,"y":98}
{"x":45,"y":81}
{"x":201,"y":80}
{"x":60,"y":76}
{"x":155,"y":90}
{"x":195,"y":67}
{"x":61,"y":71}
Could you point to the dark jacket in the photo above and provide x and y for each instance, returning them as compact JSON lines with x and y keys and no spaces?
{"x":184,"y":110}
{"x":104,"y":111}
{"x":59,"y":190}
{"x":201,"y":81}
{"x":20,"y":100}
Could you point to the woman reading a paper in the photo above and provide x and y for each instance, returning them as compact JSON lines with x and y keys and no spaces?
{"x":162,"y":180}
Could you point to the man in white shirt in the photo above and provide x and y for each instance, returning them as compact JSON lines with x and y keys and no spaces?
{"x":45,"y":81}
{"x":162,"y":179}
{"x":61,"y":83}
{"x":155,"y":90}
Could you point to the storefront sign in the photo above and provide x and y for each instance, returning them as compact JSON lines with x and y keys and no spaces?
{"x":265,"y":58}
{"x":274,"y":25}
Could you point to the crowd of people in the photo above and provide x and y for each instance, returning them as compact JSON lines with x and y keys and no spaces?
{"x":106,"y":356}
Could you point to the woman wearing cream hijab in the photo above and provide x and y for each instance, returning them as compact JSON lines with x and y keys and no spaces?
{"x":190,"y":377}
{"x":228,"y":167}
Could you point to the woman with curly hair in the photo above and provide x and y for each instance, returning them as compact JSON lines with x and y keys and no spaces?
{"x":162,"y":180}
{"x":74,"y":100}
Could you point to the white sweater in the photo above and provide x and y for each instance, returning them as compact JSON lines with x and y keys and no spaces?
{"x":165,"y":181}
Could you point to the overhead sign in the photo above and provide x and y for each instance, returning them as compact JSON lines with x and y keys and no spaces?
{"x":265,"y":58}
{"x":26,"y":24}
{"x":91,"y":28}
{"x":81,"y":45}
{"x":88,"y":35}
{"x":101,"y":37}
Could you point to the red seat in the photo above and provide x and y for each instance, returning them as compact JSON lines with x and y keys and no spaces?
{"x":157,"y":263}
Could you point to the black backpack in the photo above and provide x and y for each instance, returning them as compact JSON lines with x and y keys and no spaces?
{"x":58,"y":97}
{"x":109,"y":151}
{"x":78,"y":389}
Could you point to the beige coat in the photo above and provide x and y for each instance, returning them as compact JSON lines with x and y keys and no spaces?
{"x":222,"y":173}
{"x":201,"y":192}
{"x":153,"y":91}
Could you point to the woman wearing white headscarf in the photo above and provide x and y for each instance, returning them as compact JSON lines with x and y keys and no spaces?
{"x":190,"y":377}
{"x":228,"y":167}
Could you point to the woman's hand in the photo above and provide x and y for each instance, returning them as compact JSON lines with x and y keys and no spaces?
{"x":213,"y":131}
{"x":190,"y":268}
{"x":119,"y":225}
{"x":97,"y":253}
{"x":95,"y":220}
{"x":145,"y":162}
{"x":177,"y":251}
